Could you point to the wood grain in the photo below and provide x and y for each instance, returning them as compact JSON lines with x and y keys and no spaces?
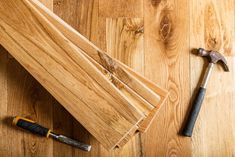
{"x":23,"y":96}
{"x":123,"y":8}
{"x":36,"y":105}
{"x":73,"y":128}
{"x":4,"y":146}
{"x":145,"y":125}
{"x":214,"y":132}
{"x":126,"y":119}
{"x":136,"y":100}
{"x":167,"y":62}
{"x":91,"y":50}
{"x":216,"y":32}
{"x":125,"y":40}
{"x":98,"y":150}
{"x":134,"y":146}
{"x":114,"y":67}
{"x":48,"y":3}
{"x":82,"y":15}
{"x":87,"y":16}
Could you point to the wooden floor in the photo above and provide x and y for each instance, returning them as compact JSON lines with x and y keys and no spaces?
{"x":155,"y":37}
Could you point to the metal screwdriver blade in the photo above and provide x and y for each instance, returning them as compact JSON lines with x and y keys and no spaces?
{"x":72,"y":142}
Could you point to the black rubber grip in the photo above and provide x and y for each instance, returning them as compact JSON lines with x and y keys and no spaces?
{"x":196,"y":106}
{"x":32,"y":127}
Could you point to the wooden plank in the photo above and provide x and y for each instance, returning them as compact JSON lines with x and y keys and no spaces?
{"x":4,"y":146}
{"x":82,"y":15}
{"x":212,"y":27}
{"x":23,"y":96}
{"x":99,"y":56}
{"x":128,"y":137}
{"x":47,"y":3}
{"x":83,"y":19}
{"x":122,"y":8}
{"x":144,"y":124}
{"x":63,"y":124}
{"x":218,"y":133}
{"x":61,"y":8}
{"x":124,"y":124}
{"x":167,"y":62}
{"x":129,"y":146}
{"x":125,"y":40}
{"x":129,"y":9}
{"x":27,"y":98}
{"x":136,"y":100}
{"x":69,"y":11}
{"x":69,"y":32}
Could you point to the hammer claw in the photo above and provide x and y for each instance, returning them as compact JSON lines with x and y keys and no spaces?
{"x":224,"y":65}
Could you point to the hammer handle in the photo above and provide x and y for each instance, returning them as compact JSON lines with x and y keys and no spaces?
{"x":196,"y":106}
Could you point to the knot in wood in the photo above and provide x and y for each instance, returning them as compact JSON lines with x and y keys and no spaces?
{"x":213,"y":35}
{"x":57,"y":2}
{"x":112,"y":66}
{"x":165,"y":27}
{"x":155,"y":3}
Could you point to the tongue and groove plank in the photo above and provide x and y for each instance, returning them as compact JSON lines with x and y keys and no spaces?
{"x":141,"y":103}
{"x":57,"y":62}
{"x":81,"y":15}
{"x":53,"y":20}
{"x":213,"y":27}
{"x":92,"y":50}
{"x":22,"y":95}
{"x":133,"y":147}
{"x":166,"y":47}
{"x":132,"y":10}
{"x":115,"y":68}
{"x":125,"y":41}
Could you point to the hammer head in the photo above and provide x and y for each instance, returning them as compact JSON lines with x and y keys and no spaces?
{"x":214,"y":57}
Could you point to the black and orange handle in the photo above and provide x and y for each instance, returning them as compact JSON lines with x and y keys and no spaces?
{"x":31,"y":126}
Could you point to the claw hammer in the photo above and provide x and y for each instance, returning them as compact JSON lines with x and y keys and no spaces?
{"x":213,"y":57}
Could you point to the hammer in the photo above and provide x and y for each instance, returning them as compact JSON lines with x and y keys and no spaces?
{"x":213,"y":58}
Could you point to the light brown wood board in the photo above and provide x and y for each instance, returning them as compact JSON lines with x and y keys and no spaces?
{"x":22,"y":95}
{"x":92,"y":50}
{"x":211,"y":138}
{"x":38,"y":52}
{"x":144,"y":124}
{"x":143,"y":127}
{"x":137,"y":100}
{"x":214,"y":131}
{"x":99,"y":56}
{"x":166,"y":33}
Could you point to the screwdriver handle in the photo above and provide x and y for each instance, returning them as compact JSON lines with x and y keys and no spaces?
{"x":31,"y":126}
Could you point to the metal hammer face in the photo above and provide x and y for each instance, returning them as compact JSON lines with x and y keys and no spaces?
{"x":214,"y":57}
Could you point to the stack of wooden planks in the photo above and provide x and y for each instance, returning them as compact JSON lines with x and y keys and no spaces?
{"x":108,"y":98}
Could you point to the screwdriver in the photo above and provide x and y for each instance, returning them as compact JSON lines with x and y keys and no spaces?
{"x":35,"y":128}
